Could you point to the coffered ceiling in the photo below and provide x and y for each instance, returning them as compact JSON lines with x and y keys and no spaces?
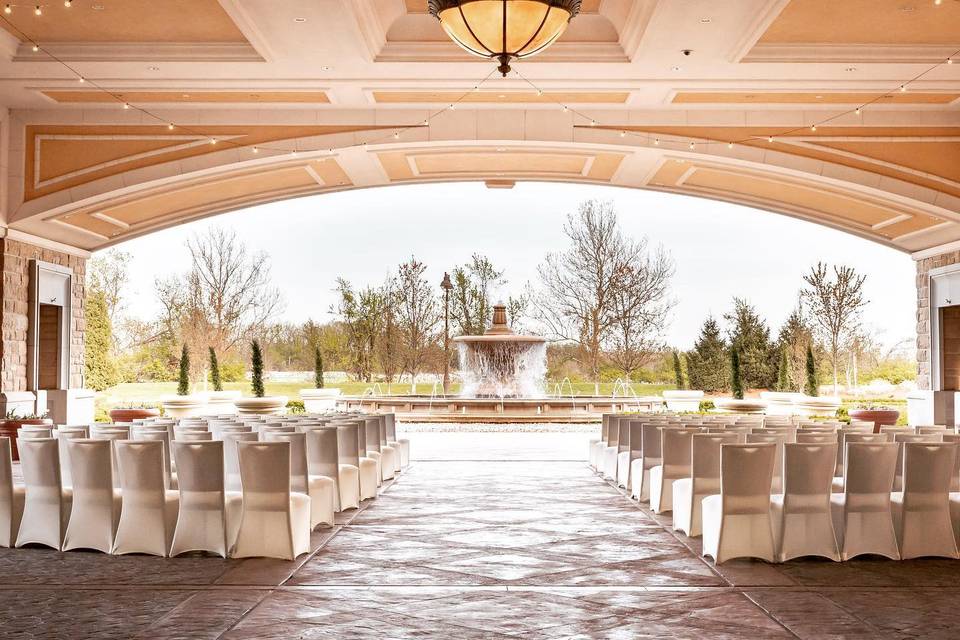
{"x":372,"y":93}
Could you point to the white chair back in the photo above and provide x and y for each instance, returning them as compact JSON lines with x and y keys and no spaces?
{"x":94,"y":510}
{"x":925,"y":527}
{"x":9,"y":510}
{"x":45,"y":507}
{"x":231,"y":461}
{"x":64,"y":436}
{"x":145,"y":525}
{"x":201,"y":520}
{"x":299,"y":474}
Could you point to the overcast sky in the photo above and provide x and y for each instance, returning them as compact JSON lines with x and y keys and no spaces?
{"x":721,"y":250}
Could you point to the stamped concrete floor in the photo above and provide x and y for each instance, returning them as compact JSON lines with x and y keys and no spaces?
{"x":478,"y":549}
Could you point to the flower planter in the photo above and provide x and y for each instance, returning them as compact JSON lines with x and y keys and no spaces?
{"x":733,"y":405}
{"x":11,"y":426}
{"x":131,"y":414}
{"x":780,"y":403}
{"x":221,"y":402}
{"x":319,"y":400}
{"x":683,"y":400}
{"x":879,"y":417}
{"x":183,"y":406}
{"x":266,"y":406}
{"x":807,"y":406}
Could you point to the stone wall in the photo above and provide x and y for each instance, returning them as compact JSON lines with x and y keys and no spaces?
{"x":14,"y":291}
{"x":924,"y":347}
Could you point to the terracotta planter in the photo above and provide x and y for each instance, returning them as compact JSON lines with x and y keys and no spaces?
{"x":11,"y":426}
{"x":879,"y":417}
{"x":129,"y":415}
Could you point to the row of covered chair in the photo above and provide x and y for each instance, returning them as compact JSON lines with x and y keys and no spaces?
{"x":779,"y":491}
{"x":166,"y":487}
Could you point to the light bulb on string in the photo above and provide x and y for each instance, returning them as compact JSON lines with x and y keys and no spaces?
{"x":7,"y":9}
{"x":38,"y":11}
{"x":692,"y":146}
{"x":857,"y":111}
{"x":656,"y":142}
{"x":623,"y":134}
{"x":769,"y":138}
{"x":729,"y":145}
{"x":36,"y":47}
{"x":170,"y":126}
{"x":255,"y":150}
{"x":126,"y":105}
{"x":68,"y":3}
{"x":903,"y":88}
{"x":813,"y":127}
{"x":81,"y":79}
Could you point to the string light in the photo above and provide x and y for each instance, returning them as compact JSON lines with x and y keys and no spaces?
{"x":769,"y":138}
{"x":813,"y":127}
{"x":729,"y":145}
{"x":656,"y":142}
{"x":170,"y":126}
{"x":903,"y":88}
{"x":255,"y":150}
{"x":623,"y":134}
{"x":81,"y":79}
{"x":213,"y":141}
{"x":692,"y":146}
{"x":68,"y":3}
{"x":565,"y":108}
{"x":38,"y":11}
{"x":857,"y":111}
{"x":36,"y":47}
{"x":396,"y":136}
{"x":126,"y":105}
{"x":8,"y":9}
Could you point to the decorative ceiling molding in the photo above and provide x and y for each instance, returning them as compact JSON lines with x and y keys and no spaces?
{"x":449,"y":52}
{"x":817,"y":52}
{"x":755,"y":30}
{"x":140,"y":52}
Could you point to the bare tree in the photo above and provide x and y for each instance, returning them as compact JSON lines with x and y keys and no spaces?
{"x":470,"y":304}
{"x":362,"y":315}
{"x":226,"y":296}
{"x":641,"y":306}
{"x":600,"y":287}
{"x":108,"y":272}
{"x":836,"y":303}
{"x":418,"y":316}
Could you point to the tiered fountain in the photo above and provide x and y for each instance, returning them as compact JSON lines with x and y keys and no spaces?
{"x":503,"y":375}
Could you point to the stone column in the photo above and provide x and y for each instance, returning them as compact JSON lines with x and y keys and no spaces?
{"x":16,"y":252}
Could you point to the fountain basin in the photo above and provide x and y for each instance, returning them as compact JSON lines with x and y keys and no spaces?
{"x":683,"y":399}
{"x":422,"y":408}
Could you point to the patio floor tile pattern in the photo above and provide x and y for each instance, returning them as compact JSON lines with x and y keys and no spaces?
{"x":507,"y":549}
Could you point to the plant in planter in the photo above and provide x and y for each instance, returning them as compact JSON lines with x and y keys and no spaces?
{"x":131,"y":411}
{"x":880,"y":415}
{"x":260,"y":402}
{"x":219,"y":402}
{"x":183,"y":405}
{"x":12,"y":422}
{"x":319,"y":398}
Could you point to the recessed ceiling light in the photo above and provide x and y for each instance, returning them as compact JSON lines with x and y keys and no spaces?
{"x":501,"y":96}
{"x":300,"y":20}
{"x":907,"y":8}
{"x":98,"y":7}
{"x":850,"y":69}
{"x":324,"y":68}
{"x":186,"y":95}
{"x":705,"y":20}
{"x":153,"y":68}
{"x":819,"y":97}
{"x":675,"y":68}
{"x":501,"y":149}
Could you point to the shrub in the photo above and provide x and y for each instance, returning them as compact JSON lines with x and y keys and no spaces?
{"x":296,"y":406}
{"x":256,"y":380}
{"x":215,"y":371}
{"x":183,"y":384}
{"x":232,"y":371}
{"x":736,"y":375}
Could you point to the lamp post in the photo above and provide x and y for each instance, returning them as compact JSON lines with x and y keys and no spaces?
{"x":446,"y":285}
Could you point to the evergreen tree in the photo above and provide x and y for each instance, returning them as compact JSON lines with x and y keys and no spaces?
{"x":707,"y":362}
{"x":183,"y":384}
{"x":812,"y":388}
{"x":256,"y":379}
{"x":783,"y":373}
{"x":318,"y":368}
{"x":678,"y":370}
{"x":736,"y":374}
{"x":215,"y":371}
{"x":750,"y":336}
{"x":100,"y":370}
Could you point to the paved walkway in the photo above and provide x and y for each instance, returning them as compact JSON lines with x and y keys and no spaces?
{"x":485,"y":549}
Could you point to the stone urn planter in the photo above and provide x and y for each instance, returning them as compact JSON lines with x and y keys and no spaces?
{"x":10,"y":426}
{"x":807,"y":406}
{"x":130,"y":414}
{"x":221,"y":402}
{"x":266,"y":406}
{"x":683,"y":399}
{"x":183,"y":406}
{"x":780,"y":403}
{"x":879,"y":417}
{"x":319,"y":400}
{"x":733,"y":405}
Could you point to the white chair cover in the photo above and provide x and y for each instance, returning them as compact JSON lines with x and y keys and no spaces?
{"x":11,"y":497}
{"x":231,"y":461}
{"x":46,"y":504}
{"x":388,"y":454}
{"x":608,"y":457}
{"x":597,"y":445}
{"x":348,"y":466}
{"x":194,"y":436}
{"x":921,"y":512}
{"x":674,"y":465}
{"x":902,"y":438}
{"x":736,"y":522}
{"x":169,"y":477}
{"x":780,"y":440}
{"x":369,"y":467}
{"x":704,"y":480}
{"x":862,"y":515}
{"x":802,"y":519}
{"x":319,"y":488}
{"x":202,"y":516}
{"x":148,"y":514}
{"x":274,"y":523}
{"x":63,"y":436}
{"x":649,"y":458}
{"x":96,"y":503}
{"x":323,"y":457}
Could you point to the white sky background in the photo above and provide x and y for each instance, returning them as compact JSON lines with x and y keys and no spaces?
{"x":721,"y":250}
